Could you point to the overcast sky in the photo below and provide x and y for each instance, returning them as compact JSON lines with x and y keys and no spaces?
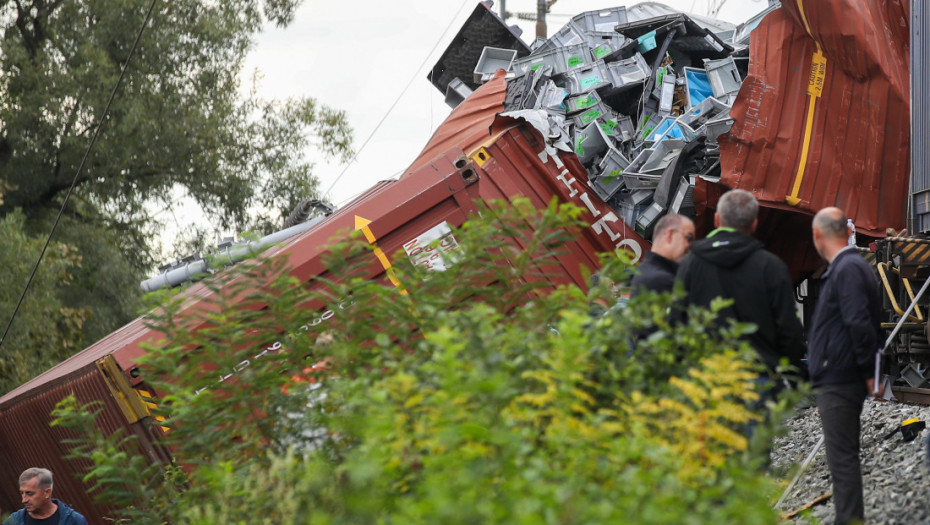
{"x":360,"y":55}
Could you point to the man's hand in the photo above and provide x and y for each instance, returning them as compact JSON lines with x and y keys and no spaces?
{"x":870,"y":386}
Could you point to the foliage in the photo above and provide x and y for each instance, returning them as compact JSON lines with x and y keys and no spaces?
{"x":181,"y":125}
{"x":47,"y":328}
{"x":178,"y":122}
{"x":113,"y":456}
{"x":478,"y":394}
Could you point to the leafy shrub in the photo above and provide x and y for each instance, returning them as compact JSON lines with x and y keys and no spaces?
{"x":478,"y":394}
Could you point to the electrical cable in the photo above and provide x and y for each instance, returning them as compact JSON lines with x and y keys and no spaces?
{"x":77,"y":173}
{"x":416,"y":75}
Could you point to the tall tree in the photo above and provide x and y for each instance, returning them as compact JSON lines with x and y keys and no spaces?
{"x":180,"y":125}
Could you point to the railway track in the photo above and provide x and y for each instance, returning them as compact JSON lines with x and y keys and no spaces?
{"x":918,"y":396}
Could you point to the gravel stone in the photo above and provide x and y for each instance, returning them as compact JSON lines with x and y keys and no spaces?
{"x":895,"y":474}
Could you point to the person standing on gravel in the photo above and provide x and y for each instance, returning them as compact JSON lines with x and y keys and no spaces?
{"x":844,"y":336}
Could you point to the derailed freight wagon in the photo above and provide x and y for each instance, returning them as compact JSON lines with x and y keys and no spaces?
{"x":796,"y":141}
{"x":802,"y":105}
{"x":461,"y":166}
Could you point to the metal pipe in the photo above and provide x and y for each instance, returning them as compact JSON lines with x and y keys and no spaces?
{"x":231,"y":255}
{"x":810,"y":457}
{"x":907,"y":312}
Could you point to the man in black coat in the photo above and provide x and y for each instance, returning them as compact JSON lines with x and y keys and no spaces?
{"x":731,"y":264}
{"x":671,"y":240}
{"x":845,"y":335}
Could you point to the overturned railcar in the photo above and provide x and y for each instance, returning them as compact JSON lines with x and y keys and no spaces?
{"x":816,"y":114}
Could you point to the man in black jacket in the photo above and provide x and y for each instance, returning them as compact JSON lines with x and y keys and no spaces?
{"x":731,"y":264}
{"x":845,"y":334}
{"x":671,"y":240}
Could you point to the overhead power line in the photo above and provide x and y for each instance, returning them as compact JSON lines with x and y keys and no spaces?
{"x":416,"y":75}
{"x":77,"y":173}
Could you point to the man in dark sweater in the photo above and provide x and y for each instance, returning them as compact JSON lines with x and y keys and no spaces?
{"x":731,"y":264}
{"x":845,"y":334}
{"x":671,"y":240}
{"x":35,"y":488}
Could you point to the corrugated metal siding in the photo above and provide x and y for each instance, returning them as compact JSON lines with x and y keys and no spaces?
{"x":858,"y":156}
{"x":920,"y":117}
{"x":27,"y":440}
{"x":129,"y":335}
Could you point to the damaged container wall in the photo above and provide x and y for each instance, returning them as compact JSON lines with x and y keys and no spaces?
{"x":469,"y":127}
{"x":920,"y":118}
{"x":518,"y":163}
{"x":441,"y":193}
{"x":812,"y":132}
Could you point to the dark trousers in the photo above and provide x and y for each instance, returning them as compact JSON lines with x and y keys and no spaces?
{"x":840,"y":407}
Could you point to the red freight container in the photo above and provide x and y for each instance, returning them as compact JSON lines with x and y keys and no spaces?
{"x":509,"y":162}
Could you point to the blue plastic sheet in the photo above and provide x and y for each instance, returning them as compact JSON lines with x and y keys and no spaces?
{"x":669,"y":125}
{"x":698,"y":85}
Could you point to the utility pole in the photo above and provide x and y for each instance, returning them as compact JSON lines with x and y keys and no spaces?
{"x":542,"y":7}
{"x":504,"y":10}
{"x":541,"y":19}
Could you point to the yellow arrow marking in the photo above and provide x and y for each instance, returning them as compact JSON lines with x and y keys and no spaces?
{"x":815,"y":85}
{"x":362,"y":223}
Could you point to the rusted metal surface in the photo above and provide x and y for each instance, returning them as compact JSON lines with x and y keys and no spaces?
{"x":445,"y":189}
{"x":822,"y":118}
{"x":917,"y":396}
{"x":27,"y":440}
{"x":468,"y":126}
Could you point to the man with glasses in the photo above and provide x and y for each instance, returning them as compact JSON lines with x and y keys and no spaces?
{"x":671,"y":240}
{"x":731,"y":264}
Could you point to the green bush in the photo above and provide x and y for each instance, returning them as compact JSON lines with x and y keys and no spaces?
{"x":478,"y":394}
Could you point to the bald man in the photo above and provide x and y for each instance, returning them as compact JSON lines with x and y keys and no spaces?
{"x":671,"y":241}
{"x":845,"y":334}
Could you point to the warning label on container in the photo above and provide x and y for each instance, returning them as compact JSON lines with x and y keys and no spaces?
{"x":434,"y":249}
{"x":817,"y":74}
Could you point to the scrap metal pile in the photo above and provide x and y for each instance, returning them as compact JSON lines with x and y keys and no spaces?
{"x":639,"y":95}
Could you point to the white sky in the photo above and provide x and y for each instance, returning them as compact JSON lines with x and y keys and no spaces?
{"x":359,"y":56}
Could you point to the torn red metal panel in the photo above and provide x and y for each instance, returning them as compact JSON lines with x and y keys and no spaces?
{"x":822,"y":119}
{"x":517,"y":163}
{"x":520,"y":165}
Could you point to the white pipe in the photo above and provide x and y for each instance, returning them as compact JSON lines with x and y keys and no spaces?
{"x":229,"y":256}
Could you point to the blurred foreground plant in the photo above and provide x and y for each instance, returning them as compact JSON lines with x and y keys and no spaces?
{"x":481,"y":395}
